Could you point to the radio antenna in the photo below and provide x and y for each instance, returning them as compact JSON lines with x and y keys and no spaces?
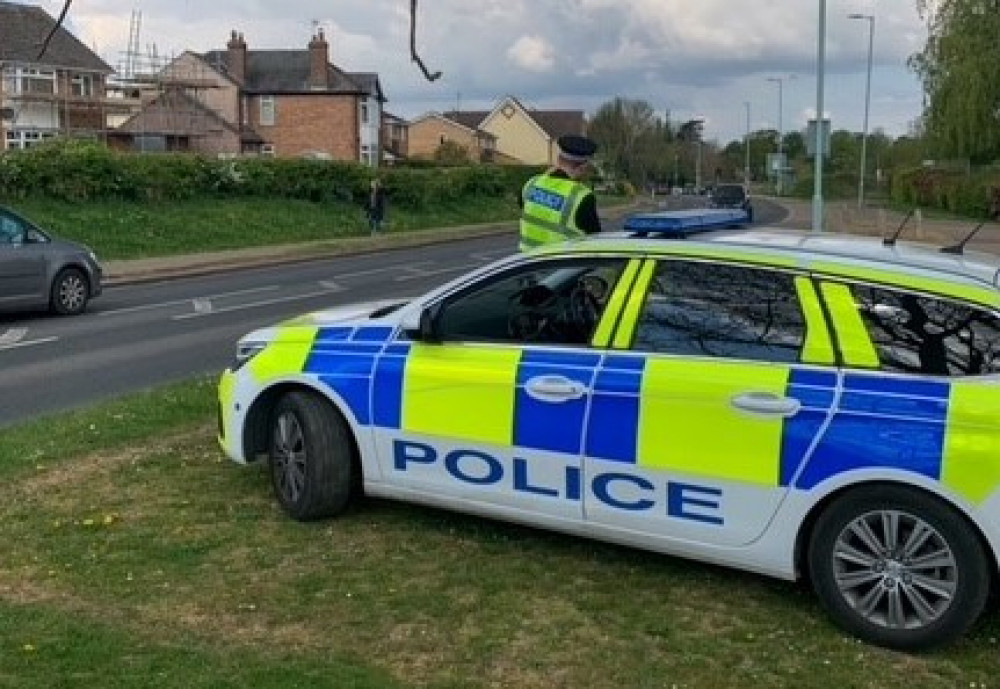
{"x":891,"y":241}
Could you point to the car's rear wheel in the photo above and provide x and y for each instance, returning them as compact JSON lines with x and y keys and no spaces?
{"x":898,"y":567}
{"x":70,"y":292}
{"x":310,"y":457}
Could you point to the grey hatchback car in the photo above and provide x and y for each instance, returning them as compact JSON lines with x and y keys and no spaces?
{"x":38,"y":270}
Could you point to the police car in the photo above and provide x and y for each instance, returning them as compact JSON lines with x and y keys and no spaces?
{"x":803,"y":406}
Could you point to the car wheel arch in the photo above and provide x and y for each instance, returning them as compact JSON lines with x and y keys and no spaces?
{"x":808,"y":523}
{"x":256,"y":424}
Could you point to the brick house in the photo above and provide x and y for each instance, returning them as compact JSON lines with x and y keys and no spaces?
{"x":428,"y":132}
{"x":525,"y":135}
{"x":59,"y":93}
{"x":395,"y":137}
{"x":289,"y":103}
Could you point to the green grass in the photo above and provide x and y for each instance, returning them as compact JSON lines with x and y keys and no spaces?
{"x":135,"y":555}
{"x":125,"y":230}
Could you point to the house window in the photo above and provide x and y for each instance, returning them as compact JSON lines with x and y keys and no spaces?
{"x":367,"y":155}
{"x":26,"y":80}
{"x":26,"y":138}
{"x":268,"y":109}
{"x":364,"y":113}
{"x":82,"y":85}
{"x":267,"y":150}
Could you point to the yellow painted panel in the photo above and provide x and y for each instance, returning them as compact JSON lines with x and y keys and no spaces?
{"x":818,"y":347}
{"x":602,"y":337}
{"x":286,"y":354}
{"x":971,"y":464}
{"x":978,"y":295}
{"x":687,"y":422}
{"x":855,"y":343}
{"x":227,"y":398}
{"x":461,"y":392}
{"x":630,"y":317}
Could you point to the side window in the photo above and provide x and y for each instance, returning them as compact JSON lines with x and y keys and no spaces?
{"x":553,"y":302}
{"x":11,"y":230}
{"x":733,"y":312}
{"x":915,"y":333}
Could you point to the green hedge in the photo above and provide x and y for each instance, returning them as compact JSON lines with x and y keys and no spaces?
{"x":79,"y":171}
{"x":973,"y":194}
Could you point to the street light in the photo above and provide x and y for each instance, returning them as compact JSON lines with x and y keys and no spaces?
{"x":868,"y":94}
{"x":817,"y":209}
{"x":780,"y":81}
{"x":698,"y":122}
{"x":746,"y":147}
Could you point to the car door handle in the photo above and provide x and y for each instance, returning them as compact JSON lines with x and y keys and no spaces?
{"x":767,"y":403}
{"x":554,"y":389}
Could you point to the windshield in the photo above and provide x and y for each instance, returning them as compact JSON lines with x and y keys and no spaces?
{"x":731,"y":192}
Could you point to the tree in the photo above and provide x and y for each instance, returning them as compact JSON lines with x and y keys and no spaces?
{"x":958,"y":68}
{"x":633,"y":142}
{"x":451,"y":153}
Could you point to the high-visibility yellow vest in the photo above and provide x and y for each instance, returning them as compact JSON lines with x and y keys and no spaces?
{"x":549,"y":211}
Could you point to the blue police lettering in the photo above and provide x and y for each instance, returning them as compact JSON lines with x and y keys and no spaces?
{"x":681,"y":497}
{"x":493,"y":473}
{"x":523,"y":484}
{"x":686,"y":501}
{"x":601,"y":486}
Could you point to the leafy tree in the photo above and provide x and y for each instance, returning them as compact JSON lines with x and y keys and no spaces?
{"x":451,"y":153}
{"x":958,"y":68}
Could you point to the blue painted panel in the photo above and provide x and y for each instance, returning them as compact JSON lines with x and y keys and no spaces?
{"x":373,"y":334}
{"x":387,"y":392}
{"x":333,"y":334}
{"x":816,"y":391}
{"x":354,"y":391}
{"x":555,"y":427}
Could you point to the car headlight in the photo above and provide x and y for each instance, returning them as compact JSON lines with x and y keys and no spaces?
{"x":245,"y":351}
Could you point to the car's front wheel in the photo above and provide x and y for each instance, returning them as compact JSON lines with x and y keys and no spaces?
{"x":70,"y":292}
{"x":310,"y":457}
{"x":897,"y":567}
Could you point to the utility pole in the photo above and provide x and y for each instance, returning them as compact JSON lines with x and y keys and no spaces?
{"x":868,"y":97}
{"x":746,"y":147}
{"x":817,"y":209}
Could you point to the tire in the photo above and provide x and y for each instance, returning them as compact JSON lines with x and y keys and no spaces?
{"x":70,"y":292}
{"x":310,"y":457}
{"x":864,"y":563}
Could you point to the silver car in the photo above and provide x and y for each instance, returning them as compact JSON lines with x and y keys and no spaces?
{"x":41,"y":271}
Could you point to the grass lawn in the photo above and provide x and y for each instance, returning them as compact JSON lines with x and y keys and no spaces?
{"x":124,"y":230}
{"x":135,"y":555}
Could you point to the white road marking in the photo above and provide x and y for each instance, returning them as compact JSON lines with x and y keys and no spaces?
{"x":202,"y":305}
{"x":386,"y":269}
{"x":417,"y":274}
{"x":28,"y":343}
{"x":13,"y":336}
{"x":331,"y":286}
{"x":178,"y":302}
{"x":488,"y":256}
{"x":254,"y":305}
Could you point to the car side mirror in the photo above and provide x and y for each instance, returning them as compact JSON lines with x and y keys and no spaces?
{"x":424,"y":328}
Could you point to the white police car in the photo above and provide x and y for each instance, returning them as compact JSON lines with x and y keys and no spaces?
{"x":800,"y":406}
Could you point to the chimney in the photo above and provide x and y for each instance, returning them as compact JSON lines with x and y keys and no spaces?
{"x":236,"y":57}
{"x":319,"y":63}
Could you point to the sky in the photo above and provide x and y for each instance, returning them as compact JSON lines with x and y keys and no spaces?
{"x":696,"y":59}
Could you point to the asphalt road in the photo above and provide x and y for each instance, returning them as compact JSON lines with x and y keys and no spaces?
{"x":143,"y":335}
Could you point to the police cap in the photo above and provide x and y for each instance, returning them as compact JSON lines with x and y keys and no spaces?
{"x":577,"y":149}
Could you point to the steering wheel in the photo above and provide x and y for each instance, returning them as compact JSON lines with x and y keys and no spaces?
{"x":531,"y":312}
{"x":583,"y":310}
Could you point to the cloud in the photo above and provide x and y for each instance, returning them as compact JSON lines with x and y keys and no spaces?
{"x":692,"y":58}
{"x":532,"y":53}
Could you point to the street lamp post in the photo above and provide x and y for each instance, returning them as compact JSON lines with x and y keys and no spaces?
{"x":780,"y":81}
{"x":868,"y":95}
{"x":817,"y":209}
{"x":746,"y":147}
{"x":697,"y":167}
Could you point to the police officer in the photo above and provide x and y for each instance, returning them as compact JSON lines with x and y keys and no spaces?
{"x":556,"y":206}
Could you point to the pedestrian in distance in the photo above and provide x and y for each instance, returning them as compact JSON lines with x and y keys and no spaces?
{"x":376,"y":206}
{"x":556,"y":205}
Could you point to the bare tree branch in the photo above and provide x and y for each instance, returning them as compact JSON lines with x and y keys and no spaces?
{"x":413,"y":45}
{"x":59,"y":21}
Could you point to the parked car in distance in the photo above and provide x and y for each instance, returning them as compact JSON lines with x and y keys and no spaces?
{"x":731,"y":196}
{"x":38,"y":270}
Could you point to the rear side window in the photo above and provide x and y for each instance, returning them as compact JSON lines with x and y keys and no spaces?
{"x":915,"y":333}
{"x":704,"y":309}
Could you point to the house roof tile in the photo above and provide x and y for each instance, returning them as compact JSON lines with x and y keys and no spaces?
{"x":23,"y":29}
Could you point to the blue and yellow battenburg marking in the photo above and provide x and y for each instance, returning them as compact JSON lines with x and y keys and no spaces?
{"x":647,"y":412}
